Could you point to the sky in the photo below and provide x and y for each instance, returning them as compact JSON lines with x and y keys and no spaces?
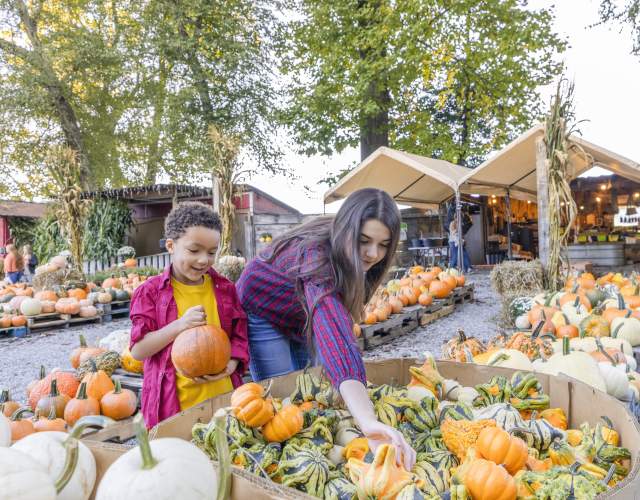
{"x":606,"y":75}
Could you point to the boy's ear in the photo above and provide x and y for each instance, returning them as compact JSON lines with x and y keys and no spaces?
{"x":169,"y":245}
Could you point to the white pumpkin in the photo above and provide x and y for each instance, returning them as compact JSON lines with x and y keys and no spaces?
{"x":48,"y":449}
{"x":575,"y":312}
{"x":510,"y":358}
{"x":5,"y":431}
{"x":616,"y":302}
{"x":22,"y":477}
{"x":336,"y":454}
{"x":450,"y":389}
{"x":576,"y":364}
{"x":588,"y":344}
{"x":627,"y":329}
{"x":31,"y":307}
{"x":418,"y":392}
{"x":467,"y":395}
{"x":181,"y":470}
{"x":615,"y":378}
{"x":522,"y":322}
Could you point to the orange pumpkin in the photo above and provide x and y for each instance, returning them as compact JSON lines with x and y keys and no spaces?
{"x":52,"y":401}
{"x":81,"y":406}
{"x":5,"y":321}
{"x":46,"y":295}
{"x":130,"y":263}
{"x":19,"y":320}
{"x":32,"y":384}
{"x":48,"y":306}
{"x":451,"y":281}
{"x":502,"y":448}
{"x":370,"y":318}
{"x":381,"y":314}
{"x":439,"y":289}
{"x":570,"y":331}
{"x":77,"y":293}
{"x":356,"y":448}
{"x":250,"y":406}
{"x":98,"y":382}
{"x":66,"y":382}
{"x":555,"y":416}
{"x":50,"y":423}
{"x":485,"y":480}
{"x":425,"y":299}
{"x":203,"y":350}
{"x":284,"y":425}
{"x":21,"y":427}
{"x":112,"y":282}
{"x":396,"y":305}
{"x":74,"y":357}
{"x":7,"y":406}
{"x":460,"y":280}
{"x":119,"y":403}
{"x":357,"y":331}
{"x":68,"y":305}
{"x":90,"y":353}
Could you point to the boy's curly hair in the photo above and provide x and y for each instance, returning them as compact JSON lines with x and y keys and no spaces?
{"x":190,"y":214}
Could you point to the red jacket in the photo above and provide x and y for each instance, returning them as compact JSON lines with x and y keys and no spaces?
{"x":152,"y":308}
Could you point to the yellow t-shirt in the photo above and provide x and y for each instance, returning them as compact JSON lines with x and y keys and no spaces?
{"x":186,"y":297}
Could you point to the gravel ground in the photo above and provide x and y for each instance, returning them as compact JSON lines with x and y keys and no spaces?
{"x":478,"y":319}
{"x":22,"y":357}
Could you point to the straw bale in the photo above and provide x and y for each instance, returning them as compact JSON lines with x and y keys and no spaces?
{"x":513,"y":279}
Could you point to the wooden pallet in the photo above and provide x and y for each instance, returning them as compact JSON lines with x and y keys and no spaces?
{"x":396,"y":326}
{"x":49,"y":320}
{"x":428,"y":318}
{"x":15,"y":331}
{"x":463,"y":294}
{"x":114,"y":309}
{"x":444,"y":302}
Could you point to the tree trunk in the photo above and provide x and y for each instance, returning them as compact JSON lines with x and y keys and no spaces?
{"x":153,"y":159}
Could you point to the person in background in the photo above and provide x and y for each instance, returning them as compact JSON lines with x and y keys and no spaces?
{"x":189,"y":293}
{"x":453,"y":249}
{"x":13,"y":264}
{"x":30,"y":262}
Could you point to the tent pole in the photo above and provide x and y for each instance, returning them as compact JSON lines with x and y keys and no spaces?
{"x":507,"y":200}
{"x":542,"y":173}
{"x":459,"y":229}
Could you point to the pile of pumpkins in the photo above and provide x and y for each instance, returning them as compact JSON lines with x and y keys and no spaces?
{"x":20,"y":301}
{"x":587,"y":331}
{"x":498,"y":440}
{"x":418,"y":286}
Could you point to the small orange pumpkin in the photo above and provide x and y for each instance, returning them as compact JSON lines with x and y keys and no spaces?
{"x":250,"y":406}
{"x":284,"y":425}
{"x":98,"y":382}
{"x":21,"y":427}
{"x":7,"y":406}
{"x":487,"y":481}
{"x":502,"y":448}
{"x":119,"y":403}
{"x":81,"y":406}
{"x":50,"y":422}
{"x":439,"y":289}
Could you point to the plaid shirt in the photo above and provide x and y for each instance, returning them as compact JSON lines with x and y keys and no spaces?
{"x":268,"y":290}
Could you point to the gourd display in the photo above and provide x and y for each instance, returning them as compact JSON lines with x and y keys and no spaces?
{"x":97,"y":382}
{"x":204,"y":350}
{"x":382,"y":478}
{"x":53,"y":401}
{"x":285,"y":424}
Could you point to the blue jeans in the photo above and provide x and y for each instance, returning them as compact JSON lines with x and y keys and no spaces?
{"x":15,"y":276}
{"x":271,"y":352}
{"x":453,"y":257}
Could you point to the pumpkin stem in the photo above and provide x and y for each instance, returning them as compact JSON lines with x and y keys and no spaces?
{"x":4,"y":396}
{"x":461,"y":336}
{"x":118,"y":386}
{"x":42,"y":372}
{"x":148,"y":462}
{"x":468,"y":354}
{"x":82,"y":391}
{"x":566,"y":349}
{"x":96,"y":421}
{"x":83,"y":341}
{"x":19,"y":412}
{"x":604,"y":352}
{"x":608,"y":421}
{"x":538,"y":328}
{"x":224,"y":459}
{"x":52,"y":413}
{"x":70,"y":463}
{"x":53,"y":392}
{"x":621,"y":303}
{"x":616,"y":330}
{"x":500,"y":357}
{"x":609,"y":476}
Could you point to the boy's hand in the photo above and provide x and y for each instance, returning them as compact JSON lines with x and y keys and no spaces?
{"x":194,"y":316}
{"x":231,"y":367}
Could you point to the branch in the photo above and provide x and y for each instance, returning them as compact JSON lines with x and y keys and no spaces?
{"x":16,"y":50}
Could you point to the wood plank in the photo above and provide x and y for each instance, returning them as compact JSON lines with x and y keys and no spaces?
{"x":430,"y":318}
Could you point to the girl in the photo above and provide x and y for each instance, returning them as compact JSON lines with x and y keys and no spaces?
{"x":187,"y":294}
{"x":30,"y":261}
{"x":453,"y":249}
{"x":13,"y":264}
{"x":313,"y":282}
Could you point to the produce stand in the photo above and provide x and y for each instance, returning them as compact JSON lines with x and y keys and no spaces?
{"x":580,"y":402}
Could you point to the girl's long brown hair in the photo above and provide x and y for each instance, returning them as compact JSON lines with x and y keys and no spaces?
{"x":341,"y":236}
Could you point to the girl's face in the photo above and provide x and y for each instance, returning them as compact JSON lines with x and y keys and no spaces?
{"x":375,"y":239}
{"x":193,"y":253}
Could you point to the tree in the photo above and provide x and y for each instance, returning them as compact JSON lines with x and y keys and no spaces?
{"x":452,"y":80}
{"x":628,"y":14}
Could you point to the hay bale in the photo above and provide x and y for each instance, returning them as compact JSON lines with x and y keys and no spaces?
{"x":513,"y":279}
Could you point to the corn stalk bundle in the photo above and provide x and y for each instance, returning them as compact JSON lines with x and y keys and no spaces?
{"x":562,"y":206}
{"x":225,"y":149}
{"x":71,"y":210}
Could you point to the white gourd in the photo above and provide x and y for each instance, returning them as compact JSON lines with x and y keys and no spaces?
{"x":510,"y":358}
{"x":467,"y":395}
{"x":450,"y":389}
{"x":615,"y":378}
{"x":588,"y":344}
{"x":576,"y":364}
{"x":336,"y":454}
{"x":627,"y":329}
{"x":48,"y":449}
{"x":23,"y":477}
{"x":575,"y":313}
{"x":418,"y":392}
{"x":5,"y":431}
{"x":162,"y":469}
{"x":522,"y":322}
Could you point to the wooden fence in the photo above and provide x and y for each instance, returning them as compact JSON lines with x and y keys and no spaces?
{"x":157,"y":261}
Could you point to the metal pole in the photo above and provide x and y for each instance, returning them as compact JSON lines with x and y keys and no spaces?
{"x":507,"y":200}
{"x":459,"y":228}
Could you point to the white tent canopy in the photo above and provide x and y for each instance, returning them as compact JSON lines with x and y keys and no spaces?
{"x":410,"y":179}
{"x":513,"y":169}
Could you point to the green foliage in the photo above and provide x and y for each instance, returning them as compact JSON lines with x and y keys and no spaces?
{"x":105,"y":231}
{"x":21,"y":230}
{"x":455,"y":80}
{"x":628,"y":13}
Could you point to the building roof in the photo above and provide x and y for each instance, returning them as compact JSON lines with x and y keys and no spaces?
{"x":168,"y":191}
{"x":9,"y":208}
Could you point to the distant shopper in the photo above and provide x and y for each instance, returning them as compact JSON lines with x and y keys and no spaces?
{"x":453,"y":249}
{"x":30,"y":261}
{"x":13,"y":264}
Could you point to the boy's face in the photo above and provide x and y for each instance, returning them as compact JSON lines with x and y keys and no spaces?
{"x":193,"y":253}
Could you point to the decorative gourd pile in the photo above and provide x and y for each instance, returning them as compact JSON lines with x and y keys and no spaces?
{"x":587,"y":331}
{"x":497,"y":440}
{"x":416,"y":287}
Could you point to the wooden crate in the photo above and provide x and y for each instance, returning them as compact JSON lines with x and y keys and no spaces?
{"x":463,"y":294}
{"x":49,"y":320}
{"x":396,"y":326}
{"x":428,"y":318}
{"x":114,"y":309}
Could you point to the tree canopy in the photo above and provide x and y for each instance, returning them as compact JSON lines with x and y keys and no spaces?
{"x":627,"y":14}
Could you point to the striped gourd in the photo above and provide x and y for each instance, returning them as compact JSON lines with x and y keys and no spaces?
{"x":332,"y":417}
{"x":505,"y":415}
{"x":428,"y":441}
{"x":378,"y":392}
{"x":457,"y":411}
{"x":304,"y":468}
{"x":542,"y":433}
{"x":307,"y":386}
{"x":238,"y":435}
{"x":440,"y":459}
{"x":407,"y":431}
{"x":340,"y":488}
{"x":318,"y":434}
{"x":431,"y":480}
{"x":424,"y":415}
{"x":258,"y":458}
{"x":411,"y":492}
{"x":497,"y":390}
{"x":390,"y":410}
